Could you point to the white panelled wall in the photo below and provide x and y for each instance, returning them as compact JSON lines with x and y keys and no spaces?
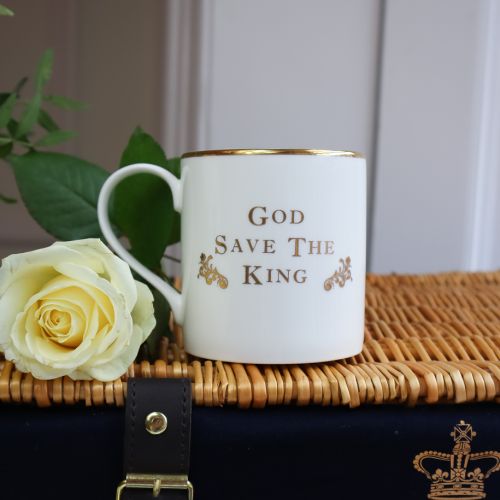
{"x":413,"y":85}
{"x":289,"y":74}
{"x":436,"y":190}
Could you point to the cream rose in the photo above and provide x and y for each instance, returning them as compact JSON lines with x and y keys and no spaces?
{"x":72,"y":309}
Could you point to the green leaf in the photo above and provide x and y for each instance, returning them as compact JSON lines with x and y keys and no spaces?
{"x":55,"y":137}
{"x":60,"y":192}
{"x":30,"y":114}
{"x":20,"y":84}
{"x":46,"y":121}
{"x":44,"y":69}
{"x":6,"y":148}
{"x":7,"y":199}
{"x":12,"y":128}
{"x":4,"y":11}
{"x":142,"y":207}
{"x":174,"y":166}
{"x":65,"y":102}
{"x":161,"y":329}
{"x":6,"y":109}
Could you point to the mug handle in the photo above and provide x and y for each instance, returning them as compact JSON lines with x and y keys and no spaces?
{"x":174,"y":298}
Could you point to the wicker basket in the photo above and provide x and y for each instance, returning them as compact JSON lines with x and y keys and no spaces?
{"x":428,"y":339}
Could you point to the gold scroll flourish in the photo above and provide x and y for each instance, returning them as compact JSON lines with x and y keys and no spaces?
{"x":340,"y":276}
{"x":210,"y":272}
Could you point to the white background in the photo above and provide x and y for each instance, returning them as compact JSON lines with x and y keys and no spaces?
{"x":415,"y":85}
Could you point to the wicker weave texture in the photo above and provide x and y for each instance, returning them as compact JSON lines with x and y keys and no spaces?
{"x":428,"y":339}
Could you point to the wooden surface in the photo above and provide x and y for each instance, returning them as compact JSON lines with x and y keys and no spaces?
{"x":428,"y":339}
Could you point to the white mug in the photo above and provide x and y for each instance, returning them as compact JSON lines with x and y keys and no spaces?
{"x":273,"y":253}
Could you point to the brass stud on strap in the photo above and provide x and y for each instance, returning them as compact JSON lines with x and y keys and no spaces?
{"x":156,"y":423}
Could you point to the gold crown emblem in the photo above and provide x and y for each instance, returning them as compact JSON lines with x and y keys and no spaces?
{"x":464,"y":472}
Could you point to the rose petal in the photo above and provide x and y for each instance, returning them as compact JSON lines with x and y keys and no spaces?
{"x":29,"y":264}
{"x":116,"y":270}
{"x":143,"y":312}
{"x":118,"y":366}
{"x":14,"y":297}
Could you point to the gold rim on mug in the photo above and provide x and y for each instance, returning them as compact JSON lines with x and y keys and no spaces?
{"x":226,"y":152}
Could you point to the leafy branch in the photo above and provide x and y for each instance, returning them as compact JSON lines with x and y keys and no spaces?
{"x":60,"y":191}
{"x":26,"y":125}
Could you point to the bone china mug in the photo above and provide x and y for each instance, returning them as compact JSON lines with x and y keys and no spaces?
{"x":273,"y":253}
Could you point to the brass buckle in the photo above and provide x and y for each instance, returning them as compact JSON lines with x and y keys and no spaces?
{"x":156,"y":482}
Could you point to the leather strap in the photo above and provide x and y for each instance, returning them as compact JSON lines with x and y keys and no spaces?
{"x":166,"y":453}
